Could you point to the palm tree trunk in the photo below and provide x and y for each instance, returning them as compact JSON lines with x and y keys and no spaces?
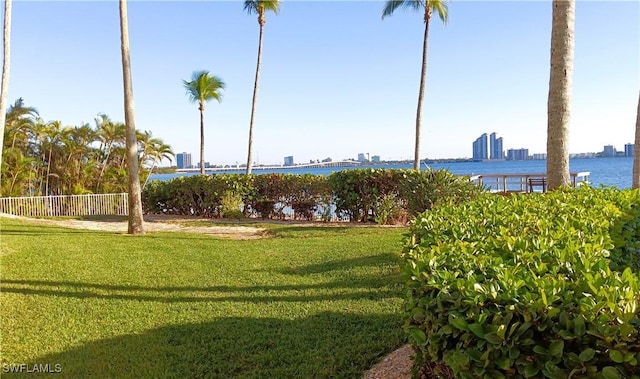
{"x":423,"y":78}
{"x":253,"y":105}
{"x":636,"y":151}
{"x":4,"y":86}
{"x":135,"y":224}
{"x":46,"y":187}
{"x":201,"y":139}
{"x":559,"y":102}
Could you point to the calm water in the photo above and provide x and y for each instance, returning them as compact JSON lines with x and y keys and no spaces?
{"x":604,"y":171}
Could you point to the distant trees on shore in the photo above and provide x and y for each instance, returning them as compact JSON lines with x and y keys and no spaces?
{"x":46,"y":158}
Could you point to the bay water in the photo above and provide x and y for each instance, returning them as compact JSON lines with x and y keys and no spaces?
{"x":614,"y":172}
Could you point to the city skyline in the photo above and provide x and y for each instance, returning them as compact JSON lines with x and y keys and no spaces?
{"x":608,"y":151}
{"x":317,"y":96}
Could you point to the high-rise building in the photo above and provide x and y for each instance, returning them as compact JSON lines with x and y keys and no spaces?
{"x":375,"y":159}
{"x":517,"y":154}
{"x":362,"y":158}
{"x":609,"y":151}
{"x":288,"y":161}
{"x":496,"y":151}
{"x":628,"y":150}
{"x":183,"y":160}
{"x":481,"y":148}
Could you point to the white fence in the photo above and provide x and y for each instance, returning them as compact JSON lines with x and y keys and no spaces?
{"x":69,"y":205}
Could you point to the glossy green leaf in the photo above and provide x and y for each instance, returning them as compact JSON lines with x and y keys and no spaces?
{"x":587,"y":355}
{"x":493,"y":338}
{"x":610,"y":372}
{"x":477,"y":329}
{"x":459,"y":323}
{"x":556,"y":347}
{"x":616,"y":356}
{"x":578,"y":326}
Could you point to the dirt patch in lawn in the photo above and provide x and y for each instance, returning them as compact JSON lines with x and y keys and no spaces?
{"x":153,"y":224}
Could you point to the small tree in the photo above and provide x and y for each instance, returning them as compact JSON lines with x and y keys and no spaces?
{"x":259,"y":7}
{"x":202,"y":88}
{"x":4,"y":86}
{"x":428,"y":7}
{"x":136,"y":223}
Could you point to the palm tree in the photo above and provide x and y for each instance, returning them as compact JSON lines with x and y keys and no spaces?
{"x":110,"y":134}
{"x":559,"y":102}
{"x":202,"y":88}
{"x":636,"y":151}
{"x":135,"y":222}
{"x":4,"y":85}
{"x":428,"y":7}
{"x":54,"y":129}
{"x":259,"y":7}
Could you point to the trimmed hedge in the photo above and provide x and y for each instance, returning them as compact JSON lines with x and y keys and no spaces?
{"x":535,"y":285}
{"x":384,"y":196}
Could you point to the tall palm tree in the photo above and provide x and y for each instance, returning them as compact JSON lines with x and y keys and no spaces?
{"x":636,"y":151}
{"x":259,"y":7}
{"x":559,"y":102}
{"x":135,"y":222}
{"x":202,"y":88}
{"x":4,"y":85}
{"x":110,"y":134}
{"x":54,"y":129}
{"x":428,"y":7}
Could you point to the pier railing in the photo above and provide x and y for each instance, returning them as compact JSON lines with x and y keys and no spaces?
{"x":67,"y":205}
{"x":523,"y":182}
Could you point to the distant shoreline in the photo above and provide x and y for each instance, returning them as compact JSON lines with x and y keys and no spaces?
{"x":356,"y":164}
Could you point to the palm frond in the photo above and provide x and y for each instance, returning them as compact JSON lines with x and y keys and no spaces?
{"x":441,"y":8}
{"x":260,"y":6}
{"x":271,"y":5}
{"x":203,"y":87}
{"x":392,"y":5}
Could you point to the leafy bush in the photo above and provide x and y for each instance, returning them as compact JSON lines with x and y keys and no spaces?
{"x":197,"y":195}
{"x":359,"y":194}
{"x":526,"y":286}
{"x":309,"y":193}
{"x":384,"y":196}
{"x":302,"y":193}
{"x":231,"y":205}
{"x":390,"y":210}
{"x":423,"y":190}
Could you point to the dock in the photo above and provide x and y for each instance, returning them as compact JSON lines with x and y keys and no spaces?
{"x":523,"y":182}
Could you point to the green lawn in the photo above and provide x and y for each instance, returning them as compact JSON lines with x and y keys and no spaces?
{"x":311,"y":302}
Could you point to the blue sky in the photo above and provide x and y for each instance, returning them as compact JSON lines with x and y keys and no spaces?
{"x":336,"y":79}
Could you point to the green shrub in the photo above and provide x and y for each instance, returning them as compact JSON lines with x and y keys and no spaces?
{"x":423,"y":190}
{"x":530,"y":285}
{"x":196,"y":195}
{"x":384,"y":196}
{"x":357,"y":192}
{"x":231,"y":205}
{"x":360,"y":193}
{"x":309,"y":193}
{"x":389,"y":209}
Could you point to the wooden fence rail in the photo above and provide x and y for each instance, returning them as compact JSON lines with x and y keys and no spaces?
{"x":68,"y":205}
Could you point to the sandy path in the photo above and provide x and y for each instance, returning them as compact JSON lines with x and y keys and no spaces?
{"x":156,"y":224}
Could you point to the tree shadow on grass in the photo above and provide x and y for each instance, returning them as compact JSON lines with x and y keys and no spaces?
{"x":324,"y":345}
{"x":369,"y":286}
{"x":7,"y":231}
{"x":258,"y":294}
{"x":348,"y":229}
{"x":379,"y":260}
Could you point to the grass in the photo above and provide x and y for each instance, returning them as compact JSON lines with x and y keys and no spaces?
{"x":312,"y":302}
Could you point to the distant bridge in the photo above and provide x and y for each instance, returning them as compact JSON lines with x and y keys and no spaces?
{"x":344,"y":163}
